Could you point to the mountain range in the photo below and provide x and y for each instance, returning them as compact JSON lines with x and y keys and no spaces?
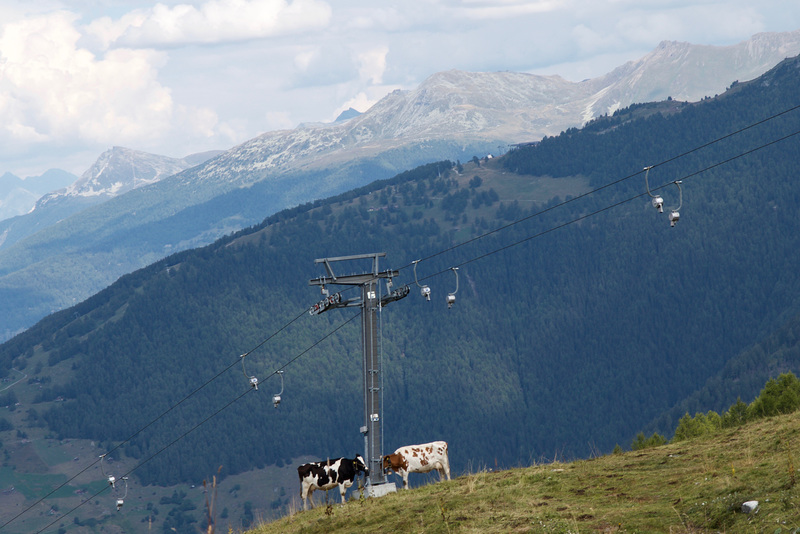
{"x":116,"y":171}
{"x":18,"y":196}
{"x":452,"y":115}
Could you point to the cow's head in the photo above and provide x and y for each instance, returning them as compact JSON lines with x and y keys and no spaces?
{"x":386,"y":463}
{"x":360,"y":465}
{"x":393,"y":462}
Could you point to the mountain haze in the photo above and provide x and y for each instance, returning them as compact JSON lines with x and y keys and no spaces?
{"x":116,"y":171}
{"x":452,"y":115}
{"x":18,"y":196}
{"x":690,"y":72}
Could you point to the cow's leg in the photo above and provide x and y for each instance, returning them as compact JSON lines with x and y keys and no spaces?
{"x":311,"y":497}
{"x":343,"y":489}
{"x":405,"y":480}
{"x":444,"y":472}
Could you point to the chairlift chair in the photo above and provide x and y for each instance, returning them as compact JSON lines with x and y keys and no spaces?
{"x":253,"y":380}
{"x":674,"y":214}
{"x":110,"y":478}
{"x":112,"y":481}
{"x":425,"y":291}
{"x":656,"y":200}
{"x":451,"y":297}
{"x":121,"y":500}
{"x":276,"y":399}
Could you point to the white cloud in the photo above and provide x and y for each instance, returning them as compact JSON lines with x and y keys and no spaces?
{"x":304,"y":58}
{"x":180,"y":76}
{"x":503,"y":9}
{"x":53,"y":91}
{"x":606,"y":34}
{"x":647,"y":23}
{"x":279,"y":120}
{"x":360,"y":102}
{"x":211,"y":22}
{"x":321,"y":66}
{"x":372,"y":64}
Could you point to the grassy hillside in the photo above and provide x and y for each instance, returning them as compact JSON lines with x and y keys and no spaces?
{"x":697,"y":485}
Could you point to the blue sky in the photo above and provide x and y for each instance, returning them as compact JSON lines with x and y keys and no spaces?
{"x":179,"y":77}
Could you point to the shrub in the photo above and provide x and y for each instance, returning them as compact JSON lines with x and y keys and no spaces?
{"x":643,"y":442}
{"x":779,"y":396}
{"x":700,"y":424}
{"x":736,"y":414}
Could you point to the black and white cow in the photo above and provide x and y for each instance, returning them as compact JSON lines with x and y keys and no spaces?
{"x":329,"y":474}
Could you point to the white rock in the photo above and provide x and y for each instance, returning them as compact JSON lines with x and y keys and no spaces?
{"x":750,"y":507}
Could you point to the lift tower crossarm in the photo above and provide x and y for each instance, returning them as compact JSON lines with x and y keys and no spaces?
{"x":351,"y":279}
{"x":354,"y":279}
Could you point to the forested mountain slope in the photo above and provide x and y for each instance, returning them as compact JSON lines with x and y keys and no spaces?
{"x":777,"y":353}
{"x":575,"y":325}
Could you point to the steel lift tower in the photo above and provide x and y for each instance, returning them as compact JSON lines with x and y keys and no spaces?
{"x":371,"y":303}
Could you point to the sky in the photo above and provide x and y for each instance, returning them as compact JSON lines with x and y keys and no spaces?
{"x":180,"y":77}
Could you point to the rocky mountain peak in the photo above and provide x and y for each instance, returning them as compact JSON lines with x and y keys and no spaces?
{"x":117,"y":171}
{"x":121,"y":169}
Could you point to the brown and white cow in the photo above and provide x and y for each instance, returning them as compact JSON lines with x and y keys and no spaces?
{"x":329,"y":474}
{"x":418,"y":459}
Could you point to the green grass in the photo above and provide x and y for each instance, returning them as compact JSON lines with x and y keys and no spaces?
{"x":50,"y":453}
{"x":33,"y":485}
{"x":691,"y":486}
